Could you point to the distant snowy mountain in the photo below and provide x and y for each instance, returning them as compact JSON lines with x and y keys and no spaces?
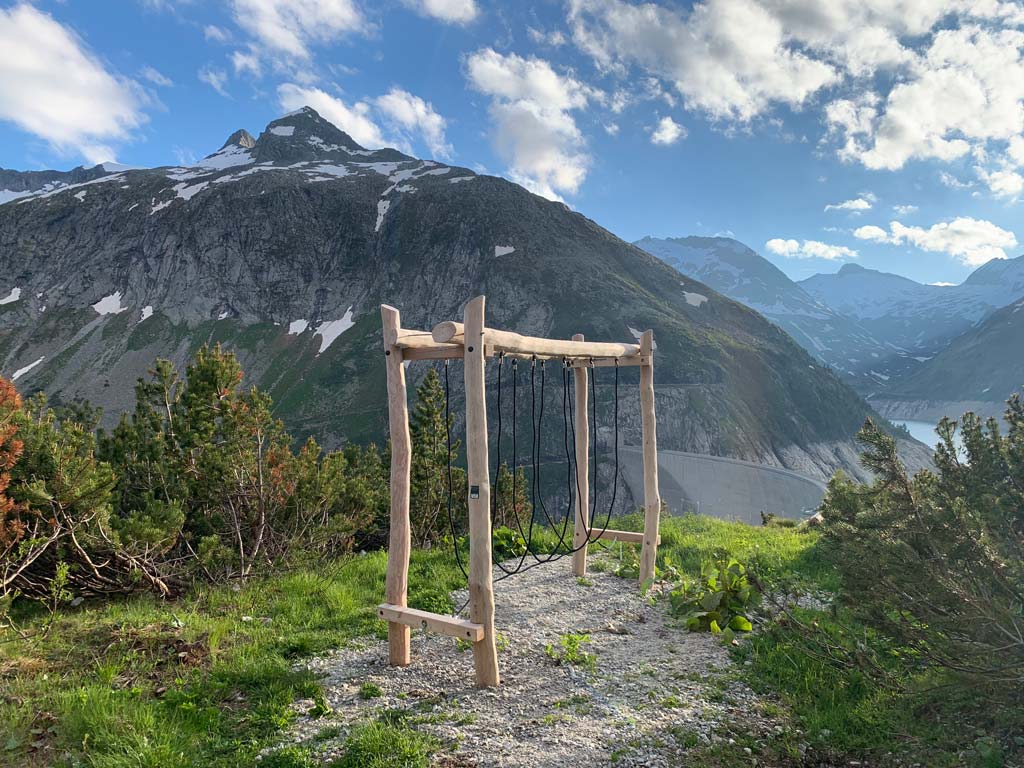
{"x":916,"y":321}
{"x":742,"y":274}
{"x":978,"y":371}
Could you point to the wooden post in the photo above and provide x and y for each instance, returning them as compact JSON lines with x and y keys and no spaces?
{"x":581,"y":425}
{"x":481,"y":585}
{"x":397,"y":584}
{"x":652,"y":499}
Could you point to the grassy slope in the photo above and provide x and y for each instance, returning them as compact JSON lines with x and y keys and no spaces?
{"x":207,"y":681}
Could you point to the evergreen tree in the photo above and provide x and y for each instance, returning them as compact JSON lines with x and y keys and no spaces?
{"x":429,"y":488}
{"x":936,"y":561}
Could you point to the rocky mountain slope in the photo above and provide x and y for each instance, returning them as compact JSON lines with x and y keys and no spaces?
{"x":915,"y":321}
{"x":282,"y":247}
{"x":740,"y":273}
{"x":978,"y":371}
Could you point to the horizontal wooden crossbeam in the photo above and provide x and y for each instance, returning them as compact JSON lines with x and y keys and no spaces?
{"x":496,"y":341}
{"x":629,"y":537}
{"x":436,"y":623}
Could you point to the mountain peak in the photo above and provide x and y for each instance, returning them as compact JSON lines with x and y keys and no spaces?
{"x":304,"y":135}
{"x":853,"y":269}
{"x":240,"y":138}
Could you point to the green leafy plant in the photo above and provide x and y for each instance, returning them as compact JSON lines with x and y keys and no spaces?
{"x":719,"y":601}
{"x":507,"y":544}
{"x":370,"y":691}
{"x":570,"y":651}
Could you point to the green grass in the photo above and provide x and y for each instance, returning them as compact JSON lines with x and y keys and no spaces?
{"x":208,"y":680}
{"x":384,"y":745}
{"x":204,"y":681}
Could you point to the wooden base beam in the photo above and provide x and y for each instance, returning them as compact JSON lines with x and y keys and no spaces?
{"x":628,"y":537}
{"x":436,"y":623}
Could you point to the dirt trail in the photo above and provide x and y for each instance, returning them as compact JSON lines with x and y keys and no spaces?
{"x":654,"y":690}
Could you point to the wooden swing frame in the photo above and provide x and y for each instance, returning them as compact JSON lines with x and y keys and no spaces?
{"x":474,"y":342}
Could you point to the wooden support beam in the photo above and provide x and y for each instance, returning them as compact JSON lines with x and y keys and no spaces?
{"x":627,"y":537}
{"x":513,"y":343}
{"x":407,"y":339}
{"x":652,"y":497}
{"x":609,"y":362}
{"x":435,"y":622}
{"x":481,"y":584}
{"x":440,"y":352}
{"x":582,"y":426}
{"x":397,"y":583}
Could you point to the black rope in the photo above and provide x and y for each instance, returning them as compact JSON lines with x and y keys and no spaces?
{"x":572,"y":467}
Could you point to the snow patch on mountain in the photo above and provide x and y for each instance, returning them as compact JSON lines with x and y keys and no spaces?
{"x":382,"y":209}
{"x":147,"y":312}
{"x":330,"y":330}
{"x":6,"y":195}
{"x":694,"y":299}
{"x":187,"y":192}
{"x":295,"y":327}
{"x":22,"y":371}
{"x":110,"y":305}
{"x":11,"y":297}
{"x":228,"y":157}
{"x":503,"y":250}
{"x":283,"y":130}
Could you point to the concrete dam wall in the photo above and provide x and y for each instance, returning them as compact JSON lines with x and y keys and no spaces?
{"x":729,"y":489}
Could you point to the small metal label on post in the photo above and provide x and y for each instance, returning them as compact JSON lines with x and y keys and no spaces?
{"x":474,"y":491}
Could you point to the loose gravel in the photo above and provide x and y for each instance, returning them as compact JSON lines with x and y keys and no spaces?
{"x":653,"y":691}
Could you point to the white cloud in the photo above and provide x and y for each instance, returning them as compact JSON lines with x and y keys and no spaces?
{"x":411,"y":113}
{"x":730,"y":58}
{"x":950,"y":73}
{"x":1015,"y":150}
{"x":216,"y":34}
{"x":554,"y":38}
{"x":964,"y":90}
{"x":53,"y":87}
{"x":451,"y":11}
{"x":951,"y":181}
{"x":612,"y":129}
{"x":809,"y":249}
{"x":215,"y":78}
{"x":1003,"y":183}
{"x":971,"y":241}
{"x":290,"y":27}
{"x":856,"y":205}
{"x":246,"y":62}
{"x":356,"y":120}
{"x":904,"y":210}
{"x":667,"y":131}
{"x":534,"y":130}
{"x":156,"y":77}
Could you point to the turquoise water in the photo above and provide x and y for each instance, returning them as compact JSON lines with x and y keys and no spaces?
{"x":921,"y":430}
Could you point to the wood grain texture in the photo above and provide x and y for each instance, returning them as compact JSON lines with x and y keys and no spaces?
{"x":397,"y":580}
{"x":481,"y":585}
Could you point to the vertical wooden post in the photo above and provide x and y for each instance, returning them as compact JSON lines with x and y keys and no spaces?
{"x":652,"y":499}
{"x":397,"y":584}
{"x":581,"y":425}
{"x":481,"y":584}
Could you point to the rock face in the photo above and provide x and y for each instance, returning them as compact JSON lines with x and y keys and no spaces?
{"x":283,"y":247}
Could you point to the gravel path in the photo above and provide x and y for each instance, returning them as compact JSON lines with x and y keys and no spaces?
{"x":654,"y":691}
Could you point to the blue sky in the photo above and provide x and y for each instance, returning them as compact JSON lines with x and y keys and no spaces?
{"x":817,"y":133}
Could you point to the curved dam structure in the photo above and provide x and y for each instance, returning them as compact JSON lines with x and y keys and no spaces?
{"x":725,"y":488}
